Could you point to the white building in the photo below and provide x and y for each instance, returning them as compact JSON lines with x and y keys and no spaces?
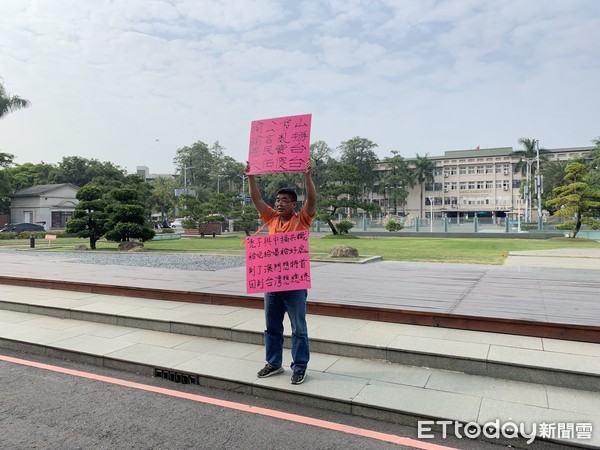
{"x":480,"y":182}
{"x":51,"y":205}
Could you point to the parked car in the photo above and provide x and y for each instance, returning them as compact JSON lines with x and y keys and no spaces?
{"x":20,"y":227}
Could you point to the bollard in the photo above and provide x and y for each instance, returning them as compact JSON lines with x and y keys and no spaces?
{"x":214,"y":234}
{"x":32,"y":241}
{"x":445,"y":224}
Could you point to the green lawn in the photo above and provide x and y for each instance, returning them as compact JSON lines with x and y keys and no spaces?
{"x":449,"y":250}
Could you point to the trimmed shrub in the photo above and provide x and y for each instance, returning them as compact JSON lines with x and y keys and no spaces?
{"x":393,"y":225}
{"x":344,"y":226}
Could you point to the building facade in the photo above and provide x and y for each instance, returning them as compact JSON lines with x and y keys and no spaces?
{"x":482,"y":182}
{"x":50,"y":205}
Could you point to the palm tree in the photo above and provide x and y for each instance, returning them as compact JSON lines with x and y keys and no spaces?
{"x":529,"y":152}
{"x":423,"y":173}
{"x":10,"y":103}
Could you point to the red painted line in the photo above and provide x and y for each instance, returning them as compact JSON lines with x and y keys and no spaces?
{"x":236,"y":406}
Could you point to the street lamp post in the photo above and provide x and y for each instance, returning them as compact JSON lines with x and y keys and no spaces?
{"x":527,"y":192}
{"x":185,"y":169}
{"x":243,"y":177}
{"x":430,"y":214}
{"x":538,"y":184}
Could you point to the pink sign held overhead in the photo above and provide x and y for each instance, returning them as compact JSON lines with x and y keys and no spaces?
{"x":277,"y":262}
{"x":281,"y":144}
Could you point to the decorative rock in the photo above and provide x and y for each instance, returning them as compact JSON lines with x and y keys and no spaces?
{"x":130,"y":246}
{"x":343,"y":251}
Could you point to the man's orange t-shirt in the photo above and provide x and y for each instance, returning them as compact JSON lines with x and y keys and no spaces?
{"x":298,"y":222}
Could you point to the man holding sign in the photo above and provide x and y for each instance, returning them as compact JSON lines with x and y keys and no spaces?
{"x":284,"y":219}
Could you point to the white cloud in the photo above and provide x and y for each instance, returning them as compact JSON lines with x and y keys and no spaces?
{"x":106,"y":79}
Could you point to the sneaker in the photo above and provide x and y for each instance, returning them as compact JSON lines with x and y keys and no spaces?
{"x":298,"y":377}
{"x":269,"y":370}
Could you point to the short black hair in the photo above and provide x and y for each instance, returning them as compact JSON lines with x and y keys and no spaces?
{"x":289,"y":192}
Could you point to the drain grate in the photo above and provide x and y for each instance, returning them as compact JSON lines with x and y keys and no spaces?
{"x":176,"y":377}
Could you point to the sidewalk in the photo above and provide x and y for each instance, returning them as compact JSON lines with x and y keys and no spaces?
{"x":387,"y":371}
{"x":392,"y":372}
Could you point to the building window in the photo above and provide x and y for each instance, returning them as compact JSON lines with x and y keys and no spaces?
{"x":60,"y":218}
{"x":471,"y":170}
{"x":480,"y":169}
{"x":463,"y":170}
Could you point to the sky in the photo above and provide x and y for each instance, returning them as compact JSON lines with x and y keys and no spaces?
{"x":132,"y":81}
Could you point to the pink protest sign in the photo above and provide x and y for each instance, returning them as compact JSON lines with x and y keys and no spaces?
{"x":277,"y":262}
{"x":281,"y":144}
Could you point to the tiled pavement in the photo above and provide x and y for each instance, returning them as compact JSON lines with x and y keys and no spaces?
{"x":390,"y":371}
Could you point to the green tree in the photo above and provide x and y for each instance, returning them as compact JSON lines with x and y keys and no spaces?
{"x":194,"y":164}
{"x":162,"y":199}
{"x":10,"y":103}
{"x":339,"y":192}
{"x":575,"y":200}
{"x":359,"y":153}
{"x":321,"y":157}
{"x":127,"y":216}
{"x":554,"y":173}
{"x":397,"y":181}
{"x":89,"y":218}
{"x":246,"y":218}
{"x":527,"y":157}
{"x":593,"y":163}
{"x":6,"y":160}
{"x":80,"y":171}
{"x":529,"y":153}
{"x":423,"y":173}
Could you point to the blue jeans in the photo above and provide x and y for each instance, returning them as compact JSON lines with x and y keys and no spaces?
{"x":276,"y":305}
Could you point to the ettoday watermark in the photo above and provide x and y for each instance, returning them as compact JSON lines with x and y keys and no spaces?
{"x":507,"y":430}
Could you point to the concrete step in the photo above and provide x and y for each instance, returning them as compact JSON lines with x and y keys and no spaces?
{"x":372,"y":388}
{"x":501,"y":356}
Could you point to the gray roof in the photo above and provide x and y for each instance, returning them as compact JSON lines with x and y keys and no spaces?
{"x":41,"y":189}
{"x":501,"y":151}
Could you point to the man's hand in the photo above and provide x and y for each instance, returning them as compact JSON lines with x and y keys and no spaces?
{"x":309,"y":167}
{"x":247,"y":168}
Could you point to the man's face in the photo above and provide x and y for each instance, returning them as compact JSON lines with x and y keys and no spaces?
{"x":284,"y":205}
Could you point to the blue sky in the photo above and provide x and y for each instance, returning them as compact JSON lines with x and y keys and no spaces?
{"x":131,"y":81}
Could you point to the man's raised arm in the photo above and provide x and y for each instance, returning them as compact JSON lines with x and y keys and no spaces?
{"x":255,"y":194}
{"x":310,"y":202}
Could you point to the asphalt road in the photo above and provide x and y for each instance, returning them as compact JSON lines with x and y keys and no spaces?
{"x":45,"y":409}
